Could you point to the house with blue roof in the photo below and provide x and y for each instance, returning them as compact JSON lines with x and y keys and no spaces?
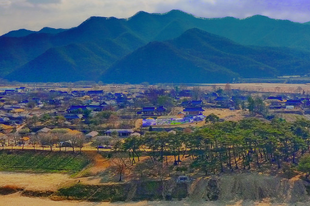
{"x":120,"y":132}
{"x":196,"y":103}
{"x":121,"y":99}
{"x":149,"y":111}
{"x":224,"y":101}
{"x":240,"y":98}
{"x":70,"y":117}
{"x":77,"y":109}
{"x":4,"y":120}
{"x":292,"y":102}
{"x":185,"y":93}
{"x":78,"y":93}
{"x":153,"y":111}
{"x":185,"y":103}
{"x":161,"y":110}
{"x":103,"y":104}
{"x":9,"y":91}
{"x":193,"y":110}
{"x":21,"y":89}
{"x":56,"y":102}
{"x":95,"y":107}
{"x":119,"y":94}
{"x":210,"y":97}
{"x":278,"y":98}
{"x":95,"y":92}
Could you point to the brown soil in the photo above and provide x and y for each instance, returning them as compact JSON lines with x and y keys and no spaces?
{"x":16,"y":199}
{"x":36,"y":182}
{"x":91,"y":175}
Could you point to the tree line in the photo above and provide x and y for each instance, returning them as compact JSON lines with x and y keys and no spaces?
{"x":226,"y":146}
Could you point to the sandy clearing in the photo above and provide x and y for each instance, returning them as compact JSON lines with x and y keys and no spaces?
{"x":32,"y":181}
{"x":16,"y":199}
{"x":228,"y":115}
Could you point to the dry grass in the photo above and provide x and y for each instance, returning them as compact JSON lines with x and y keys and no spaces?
{"x":290,"y":117}
{"x":91,"y":175}
{"x":228,"y":115}
{"x":264,"y":87}
{"x":36,"y":182}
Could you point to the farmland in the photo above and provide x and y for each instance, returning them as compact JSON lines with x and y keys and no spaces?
{"x":52,"y":162}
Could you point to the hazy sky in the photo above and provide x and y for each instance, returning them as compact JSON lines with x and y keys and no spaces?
{"x":35,"y":14}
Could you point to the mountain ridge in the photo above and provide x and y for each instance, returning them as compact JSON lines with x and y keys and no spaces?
{"x":197,"y":57}
{"x":120,"y":37}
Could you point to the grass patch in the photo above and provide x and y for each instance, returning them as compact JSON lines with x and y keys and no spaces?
{"x":108,"y":193}
{"x":150,"y":190}
{"x":30,"y":193}
{"x":9,"y":189}
{"x":42,"y":161}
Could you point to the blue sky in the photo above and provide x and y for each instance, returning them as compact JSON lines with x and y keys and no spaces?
{"x":36,"y":14}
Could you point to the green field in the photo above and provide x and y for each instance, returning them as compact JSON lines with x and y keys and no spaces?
{"x":113,"y":192}
{"x":31,"y":161}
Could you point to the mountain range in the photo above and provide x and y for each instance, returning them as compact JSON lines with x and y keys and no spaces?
{"x":171,"y":47}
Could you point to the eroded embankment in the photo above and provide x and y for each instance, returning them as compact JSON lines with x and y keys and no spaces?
{"x":248,"y":187}
{"x":252,"y":187}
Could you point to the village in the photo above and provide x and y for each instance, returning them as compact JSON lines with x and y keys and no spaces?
{"x":110,"y":143}
{"x":97,"y":118}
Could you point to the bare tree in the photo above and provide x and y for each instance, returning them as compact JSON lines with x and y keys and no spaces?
{"x":121,"y":164}
{"x":76,"y":140}
{"x":80,"y":141}
{"x":299,"y":90}
{"x":34,"y":140}
{"x":113,"y":119}
{"x":227,"y":89}
{"x":196,"y":93}
{"x":47,"y":139}
{"x":13,"y":139}
{"x":3,"y":139}
{"x":60,"y":137}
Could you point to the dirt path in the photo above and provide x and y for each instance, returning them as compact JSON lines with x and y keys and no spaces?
{"x":99,"y":165}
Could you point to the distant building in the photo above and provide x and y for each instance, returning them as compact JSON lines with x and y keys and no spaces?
{"x":152,"y":111}
{"x":91,"y":134}
{"x":193,"y":110}
{"x":76,"y":109}
{"x":95,"y":93}
{"x":44,"y":130}
{"x":120,"y":132}
{"x":73,"y":116}
{"x":292,"y":102}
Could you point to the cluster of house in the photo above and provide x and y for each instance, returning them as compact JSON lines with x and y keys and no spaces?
{"x":18,"y":104}
{"x":286,"y":102}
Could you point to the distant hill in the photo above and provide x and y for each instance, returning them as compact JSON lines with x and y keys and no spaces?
{"x":69,"y":63}
{"x":198,"y":56}
{"x":49,"y":30}
{"x":25,"y":32}
{"x":18,"y":33}
{"x":114,"y":38}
